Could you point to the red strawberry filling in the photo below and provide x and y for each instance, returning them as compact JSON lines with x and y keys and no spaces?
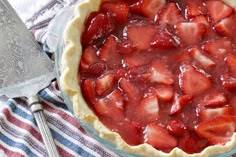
{"x":162,"y":72}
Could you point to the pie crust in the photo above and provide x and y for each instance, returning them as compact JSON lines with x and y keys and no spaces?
{"x":69,"y":85}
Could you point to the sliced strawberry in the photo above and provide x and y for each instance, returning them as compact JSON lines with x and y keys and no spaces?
{"x":176,"y":127}
{"x":214,"y":99}
{"x":193,"y":82}
{"x":170,"y":15}
{"x":178,"y":103}
{"x":139,"y":40}
{"x":231,"y":62}
{"x":111,"y":105}
{"x":129,"y":89}
{"x":182,"y":56}
{"x":151,"y":7}
{"x":124,"y":126}
{"x":96,"y":27}
{"x":164,"y":40}
{"x":125,"y":47}
{"x":148,"y":8}
{"x":148,"y":109}
{"x":104,"y":83}
{"x":139,"y":74}
{"x":218,"y":10}
{"x":194,"y":8}
{"x":201,"y":19}
{"x":136,"y":59}
{"x":160,"y":73}
{"x":202,"y":59}
{"x":88,"y":58}
{"x":97,"y":69}
{"x":211,"y":113}
{"x":190,"y":29}
{"x":119,"y":73}
{"x":228,"y":82}
{"x":119,"y":10}
{"x":108,"y":52}
{"x":218,"y":130}
{"x":192,"y":143}
{"x":226,"y":27}
{"x":88,"y":87}
{"x":157,"y":136}
{"x":218,"y":47}
{"x":164,"y":93}
{"x":132,"y":97}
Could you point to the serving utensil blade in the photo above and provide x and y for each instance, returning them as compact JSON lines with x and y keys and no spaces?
{"x":24,"y":68}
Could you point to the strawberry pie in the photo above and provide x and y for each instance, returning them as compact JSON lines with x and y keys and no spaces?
{"x":154,"y":77}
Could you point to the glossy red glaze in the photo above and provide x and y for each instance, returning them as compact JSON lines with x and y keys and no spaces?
{"x":160,"y":76}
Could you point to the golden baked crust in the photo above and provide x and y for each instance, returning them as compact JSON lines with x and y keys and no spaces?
{"x":69,"y":83}
{"x":231,"y":3}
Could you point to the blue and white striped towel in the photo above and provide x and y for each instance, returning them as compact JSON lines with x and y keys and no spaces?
{"x":19,"y":135}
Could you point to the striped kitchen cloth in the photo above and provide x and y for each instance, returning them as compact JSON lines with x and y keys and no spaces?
{"x":19,"y":135}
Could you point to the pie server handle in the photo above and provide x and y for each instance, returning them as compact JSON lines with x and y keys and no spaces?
{"x":37,"y":110}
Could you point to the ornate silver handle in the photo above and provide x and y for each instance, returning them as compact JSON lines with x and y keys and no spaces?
{"x":37,"y":110}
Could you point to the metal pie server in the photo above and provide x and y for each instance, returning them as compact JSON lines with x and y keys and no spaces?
{"x":24,"y":68}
